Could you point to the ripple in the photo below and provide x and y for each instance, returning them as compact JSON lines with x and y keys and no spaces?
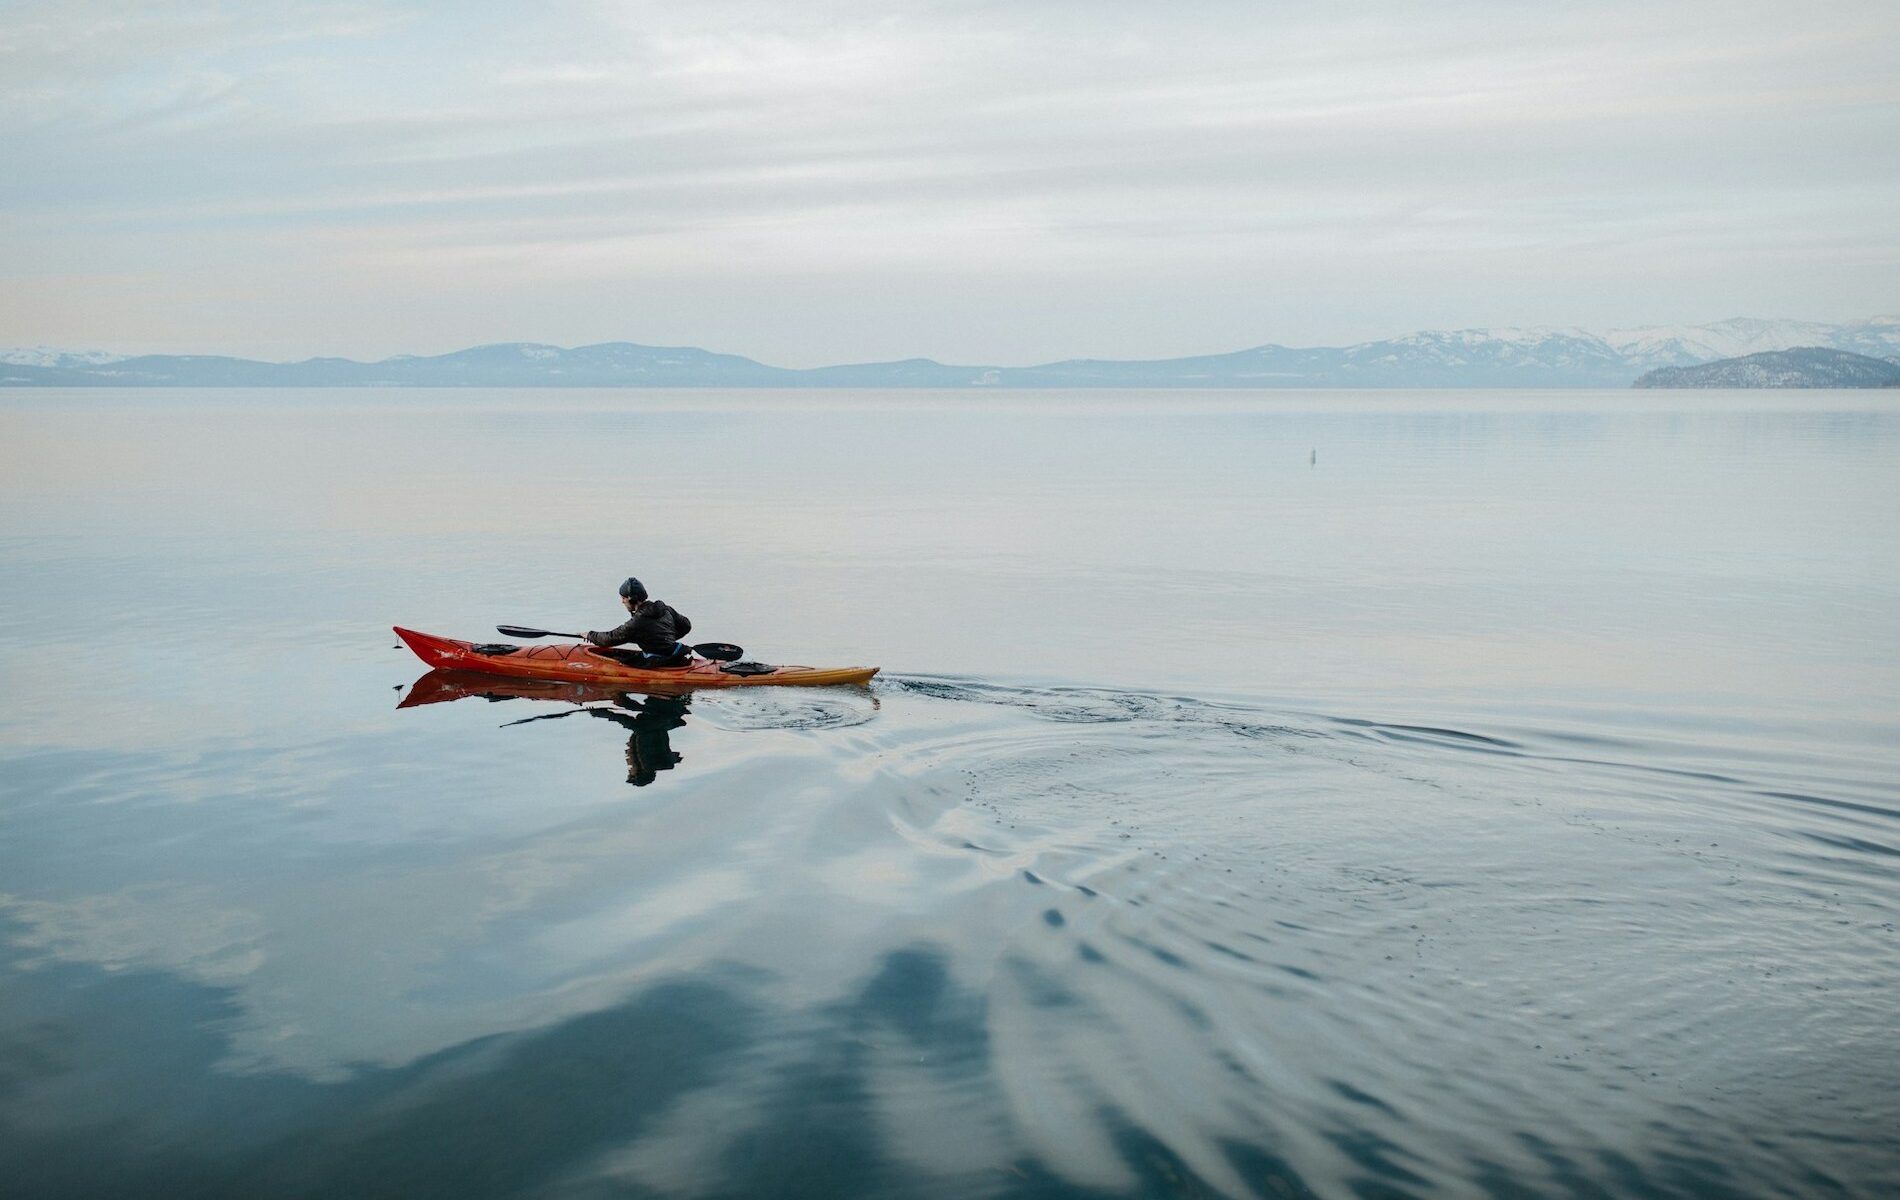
{"x":960,"y":937}
{"x":1329,"y":892}
{"x":787,"y":708}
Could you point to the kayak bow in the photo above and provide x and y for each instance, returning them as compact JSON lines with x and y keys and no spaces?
{"x":580,"y":663}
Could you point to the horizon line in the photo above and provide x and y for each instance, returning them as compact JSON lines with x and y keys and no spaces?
{"x":1878,"y":319}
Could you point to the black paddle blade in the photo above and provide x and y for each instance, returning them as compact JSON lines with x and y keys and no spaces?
{"x":719,"y":651}
{"x":527,"y":631}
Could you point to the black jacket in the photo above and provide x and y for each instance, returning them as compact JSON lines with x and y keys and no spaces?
{"x":655,"y":626}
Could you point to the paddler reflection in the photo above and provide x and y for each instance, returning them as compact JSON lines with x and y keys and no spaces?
{"x":648,"y":723}
{"x":648,"y":719}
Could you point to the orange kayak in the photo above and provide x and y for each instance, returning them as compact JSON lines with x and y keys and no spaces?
{"x":575,"y":662}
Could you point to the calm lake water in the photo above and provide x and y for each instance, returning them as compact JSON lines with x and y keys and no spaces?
{"x":1432,"y":794}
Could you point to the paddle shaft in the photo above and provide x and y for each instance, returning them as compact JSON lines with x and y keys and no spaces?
{"x":717,"y":651}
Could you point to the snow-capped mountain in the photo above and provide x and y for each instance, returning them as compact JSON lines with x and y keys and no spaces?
{"x":1806,"y":367}
{"x":1641,"y":348}
{"x":1512,"y":357}
{"x":1566,"y":351}
{"x":1682,"y":345}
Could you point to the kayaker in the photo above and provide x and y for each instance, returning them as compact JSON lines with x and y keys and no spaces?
{"x":655,"y":626}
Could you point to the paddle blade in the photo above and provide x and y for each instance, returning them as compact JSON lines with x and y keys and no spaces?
{"x":525,"y":631}
{"x":719,"y":651}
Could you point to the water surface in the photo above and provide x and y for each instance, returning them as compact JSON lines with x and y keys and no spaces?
{"x":1290,"y":794}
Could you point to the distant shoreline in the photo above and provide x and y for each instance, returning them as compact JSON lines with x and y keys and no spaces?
{"x":1801,"y":367}
{"x":1471,"y":358}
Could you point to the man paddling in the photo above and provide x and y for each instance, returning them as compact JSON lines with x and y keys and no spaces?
{"x":655,"y":626}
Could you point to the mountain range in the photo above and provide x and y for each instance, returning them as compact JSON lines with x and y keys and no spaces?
{"x":1804,"y":367}
{"x":1522,"y":358}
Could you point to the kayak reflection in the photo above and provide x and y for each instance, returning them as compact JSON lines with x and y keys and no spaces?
{"x":648,"y":720}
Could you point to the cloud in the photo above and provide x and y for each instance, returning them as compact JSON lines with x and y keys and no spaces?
{"x":736,"y":146}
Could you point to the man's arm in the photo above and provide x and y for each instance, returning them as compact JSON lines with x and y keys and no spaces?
{"x":619,"y":635}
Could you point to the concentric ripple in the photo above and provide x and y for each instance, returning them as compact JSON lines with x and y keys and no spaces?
{"x":1409,"y":957}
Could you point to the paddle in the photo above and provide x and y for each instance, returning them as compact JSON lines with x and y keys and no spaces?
{"x":717,"y":651}
{"x":522,"y":631}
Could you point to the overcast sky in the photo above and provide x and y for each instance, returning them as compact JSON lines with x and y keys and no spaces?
{"x":1012,"y":182}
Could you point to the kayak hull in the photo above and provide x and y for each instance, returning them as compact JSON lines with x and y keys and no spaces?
{"x":575,"y":662}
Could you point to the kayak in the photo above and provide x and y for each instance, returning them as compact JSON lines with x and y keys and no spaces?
{"x":577,"y":662}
